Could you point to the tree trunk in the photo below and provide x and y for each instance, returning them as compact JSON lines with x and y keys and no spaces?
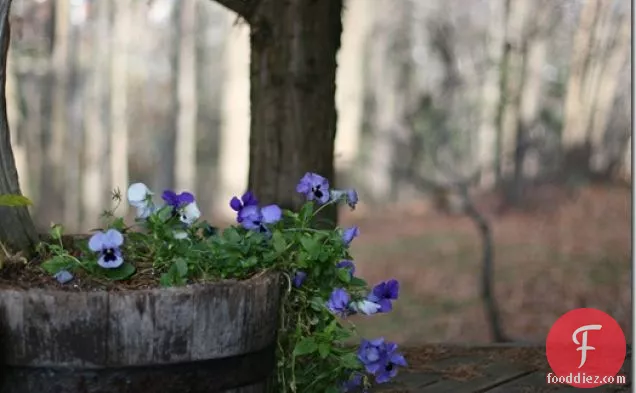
{"x":350,"y":82}
{"x":512,"y":85}
{"x":186,"y":143}
{"x":491,"y":95}
{"x":70,"y":115}
{"x":293,"y":73}
{"x":17,"y":231}
{"x":54,"y":120}
{"x":119,"y":97}
{"x":390,"y":58}
{"x":166,"y":140}
{"x":573,"y":135}
{"x":614,"y":58}
{"x":96,"y":130}
{"x":235,"y":124}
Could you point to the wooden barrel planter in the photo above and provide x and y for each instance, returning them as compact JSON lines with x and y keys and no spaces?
{"x":217,"y":337}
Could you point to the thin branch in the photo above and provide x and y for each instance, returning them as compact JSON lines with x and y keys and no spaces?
{"x":487,"y":293}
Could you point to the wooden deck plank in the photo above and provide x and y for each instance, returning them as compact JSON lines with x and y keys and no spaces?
{"x":485,"y":370}
{"x":529,"y":383}
{"x":490,"y":376}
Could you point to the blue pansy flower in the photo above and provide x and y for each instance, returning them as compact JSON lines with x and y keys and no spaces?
{"x":349,"y":234}
{"x":299,"y":278}
{"x":140,"y":197}
{"x":380,"y":359}
{"x":391,"y":361}
{"x":347,"y":264}
{"x":63,"y":276}
{"x":314,"y":187}
{"x":237,"y":205}
{"x":338,"y":302}
{"x":383,"y":293}
{"x":256,"y":218}
{"x":107,"y":244}
{"x":366,"y":307}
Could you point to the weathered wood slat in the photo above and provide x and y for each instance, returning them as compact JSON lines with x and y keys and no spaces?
{"x":137,"y":328}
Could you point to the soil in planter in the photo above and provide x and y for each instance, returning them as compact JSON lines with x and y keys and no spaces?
{"x":21,"y":274}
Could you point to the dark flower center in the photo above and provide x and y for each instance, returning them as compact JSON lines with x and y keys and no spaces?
{"x":109,"y":255}
{"x":317,"y":192}
{"x":389,"y":367}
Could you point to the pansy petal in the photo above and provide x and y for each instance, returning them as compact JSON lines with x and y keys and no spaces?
{"x":96,"y":242}
{"x":191,"y":213}
{"x":114,"y":264}
{"x":185,"y":198}
{"x":113,"y":238}
{"x":235,"y":204}
{"x":137,"y":193}
{"x":249,"y":199}
{"x":169,"y":196}
{"x":271,"y":214}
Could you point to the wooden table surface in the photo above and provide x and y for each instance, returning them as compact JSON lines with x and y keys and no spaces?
{"x":484,"y":369}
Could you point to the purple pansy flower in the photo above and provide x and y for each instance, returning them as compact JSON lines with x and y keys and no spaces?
{"x":107,"y":245}
{"x":352,"y":198}
{"x":177,"y":201}
{"x":370,"y":354}
{"x":383,"y":293}
{"x":255,"y":218}
{"x":347,"y":264}
{"x":247,"y":199}
{"x":299,"y":278}
{"x":349,"y":234}
{"x":380,"y":358}
{"x":314,"y":187}
{"x":338,"y":302}
{"x":391,"y":360}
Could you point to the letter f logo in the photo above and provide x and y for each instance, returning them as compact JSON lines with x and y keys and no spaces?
{"x":584,"y":347}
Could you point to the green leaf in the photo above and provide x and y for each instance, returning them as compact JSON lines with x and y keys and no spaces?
{"x":181,"y":266}
{"x":344,"y":275}
{"x":278,"y":241}
{"x":232,"y":235}
{"x":166,"y":280}
{"x":57,"y":263}
{"x":13,"y":200}
{"x":317,"y":304}
{"x":305,"y":346}
{"x":119,"y":224}
{"x":350,"y":360}
{"x":306,"y":212}
{"x":311,"y":246}
{"x":324,"y":350}
{"x":121,"y":273}
{"x":56,"y":231}
{"x":358,"y":282}
{"x":332,"y":389}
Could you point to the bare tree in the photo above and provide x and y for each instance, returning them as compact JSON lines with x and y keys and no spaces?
{"x":17,"y":232}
